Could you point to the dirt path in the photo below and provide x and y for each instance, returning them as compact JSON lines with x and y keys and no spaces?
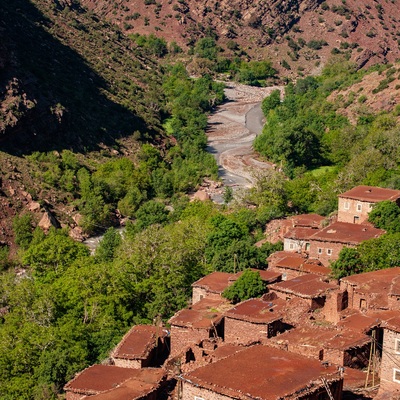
{"x":231,"y":132}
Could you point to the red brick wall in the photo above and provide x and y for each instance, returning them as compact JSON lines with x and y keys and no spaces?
{"x":183,"y":337}
{"x":390,"y":361}
{"x":324,"y":257}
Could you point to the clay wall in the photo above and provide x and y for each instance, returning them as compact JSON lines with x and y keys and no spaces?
{"x":325,"y":251}
{"x":353,"y":211}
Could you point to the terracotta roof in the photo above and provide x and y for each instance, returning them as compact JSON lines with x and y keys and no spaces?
{"x":137,"y":388}
{"x":303,"y":265}
{"x":381,"y":280}
{"x":202,"y":315}
{"x":257,"y":311}
{"x":300,"y":233}
{"x":364,"y":322}
{"x":138,"y":342}
{"x":323,"y":338}
{"x":215,"y":282}
{"x":371,"y":194}
{"x":267,"y":276}
{"x":226,"y":350}
{"x":359,"y":322}
{"x":343,"y":232}
{"x":103,"y":378}
{"x":307,"y":220}
{"x":262,"y":372}
{"x":280,"y":255}
{"x":308,"y":286}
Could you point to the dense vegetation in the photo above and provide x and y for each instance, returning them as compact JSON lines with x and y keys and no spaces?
{"x":66,"y":308}
{"x":320,"y":148}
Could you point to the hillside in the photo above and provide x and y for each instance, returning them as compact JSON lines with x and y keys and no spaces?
{"x":70,"y":82}
{"x":298,"y":35}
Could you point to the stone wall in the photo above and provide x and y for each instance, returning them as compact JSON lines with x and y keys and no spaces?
{"x":73,"y":396}
{"x":201,"y":293}
{"x":244,"y":332}
{"x":390,"y":362}
{"x":190,"y":392}
{"x":335,"y":302}
{"x":125,"y":363}
{"x":182,"y":337}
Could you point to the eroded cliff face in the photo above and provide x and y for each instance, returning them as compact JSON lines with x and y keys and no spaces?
{"x":365,"y":32}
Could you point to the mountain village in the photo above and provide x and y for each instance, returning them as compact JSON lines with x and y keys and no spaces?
{"x":308,"y":337}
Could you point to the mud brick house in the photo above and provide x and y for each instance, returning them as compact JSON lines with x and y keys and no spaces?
{"x":325,"y":245}
{"x":291,"y":265}
{"x":342,"y":347}
{"x":308,"y":287}
{"x":201,"y":321}
{"x":298,"y":240}
{"x":276,"y":229}
{"x":262,"y":372}
{"x":373,"y":290}
{"x":212,"y":285}
{"x":355,"y":205}
{"x":390,"y":362}
{"x":143,"y":346}
{"x":254,"y":320}
{"x":103,"y":382}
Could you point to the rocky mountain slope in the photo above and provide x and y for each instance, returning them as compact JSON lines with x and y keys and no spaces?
{"x":67,"y":81}
{"x":298,"y":35}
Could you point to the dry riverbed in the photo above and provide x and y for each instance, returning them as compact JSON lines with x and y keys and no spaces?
{"x":231,"y":131}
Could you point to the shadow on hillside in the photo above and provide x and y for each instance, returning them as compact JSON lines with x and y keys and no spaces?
{"x":71,"y":109}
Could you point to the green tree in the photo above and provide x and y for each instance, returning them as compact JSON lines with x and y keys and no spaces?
{"x":247,"y":286}
{"x":386,"y":215}
{"x":106,"y":250}
{"x":271,"y":102}
{"x":23,"y":230}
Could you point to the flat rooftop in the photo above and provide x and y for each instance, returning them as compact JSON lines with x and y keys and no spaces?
{"x":262,"y":372}
{"x":99,"y":379}
{"x":307,"y":286}
{"x":343,"y":232}
{"x":215,"y":282}
{"x":138,"y":342}
{"x":307,"y":220}
{"x":383,"y":279}
{"x":323,"y":338}
{"x":371,"y":194}
{"x":303,"y":265}
{"x":201,"y":315}
{"x":257,"y":311}
{"x":300,"y":233}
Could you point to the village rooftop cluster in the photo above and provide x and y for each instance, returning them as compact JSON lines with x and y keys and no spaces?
{"x":308,"y":337}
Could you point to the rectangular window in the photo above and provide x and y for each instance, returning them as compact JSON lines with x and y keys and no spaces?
{"x":370,"y":205}
{"x":307,"y":246}
{"x":396,"y":375}
{"x":329,"y":252}
{"x":397,"y":346}
{"x":359,"y":207}
{"x":346,"y":205}
{"x":291,"y":246}
{"x":319,"y":250}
